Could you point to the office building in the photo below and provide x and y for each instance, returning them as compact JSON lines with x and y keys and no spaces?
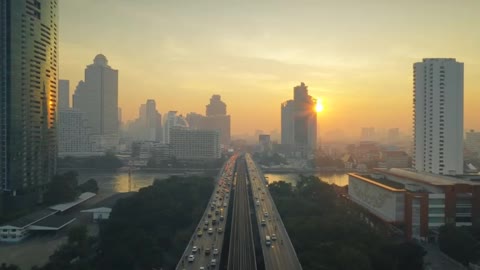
{"x":73,"y":134}
{"x":417,"y":201}
{"x":472,"y":143}
{"x":28,"y":100}
{"x":216,"y":106}
{"x":438,"y":116}
{"x":63,"y":94}
{"x":299,"y":121}
{"x":98,"y":97}
{"x":368,"y":134}
{"x":191,"y":144}
{"x":172,"y":120}
{"x":216,"y":119}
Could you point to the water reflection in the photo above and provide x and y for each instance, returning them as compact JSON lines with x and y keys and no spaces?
{"x":115,"y":182}
{"x":331,"y":178}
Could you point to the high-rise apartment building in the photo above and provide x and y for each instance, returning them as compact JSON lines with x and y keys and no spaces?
{"x":28,"y":98}
{"x":299,"y":121}
{"x":63,"y":94}
{"x":98,"y":97}
{"x":438,"y":116}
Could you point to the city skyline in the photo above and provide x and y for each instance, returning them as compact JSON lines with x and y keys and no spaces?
{"x":204,"y":49}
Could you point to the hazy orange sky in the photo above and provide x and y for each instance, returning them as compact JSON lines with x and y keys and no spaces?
{"x":357,"y":56}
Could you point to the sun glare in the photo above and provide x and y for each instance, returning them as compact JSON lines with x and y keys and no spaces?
{"x":319,"y":106}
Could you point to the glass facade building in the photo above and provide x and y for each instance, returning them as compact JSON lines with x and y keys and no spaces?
{"x":28,"y":95}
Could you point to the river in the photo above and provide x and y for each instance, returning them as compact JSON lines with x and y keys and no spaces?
{"x":115,"y":182}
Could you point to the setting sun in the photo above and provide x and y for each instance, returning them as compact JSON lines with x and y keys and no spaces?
{"x":319,"y":106}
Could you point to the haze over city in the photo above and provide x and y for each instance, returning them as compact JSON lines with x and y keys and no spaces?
{"x":239,"y":135}
{"x":351,"y":54}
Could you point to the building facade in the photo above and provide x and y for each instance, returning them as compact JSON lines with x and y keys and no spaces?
{"x":63,"y":94}
{"x":73,"y":133}
{"x":191,"y":144}
{"x":472,"y":143}
{"x":28,"y":96}
{"x":299,"y":121}
{"x":98,"y":97}
{"x":438,"y":116}
{"x":421,"y":202}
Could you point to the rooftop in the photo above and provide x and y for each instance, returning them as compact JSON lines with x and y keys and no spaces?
{"x":426,"y":178}
{"x":30,"y":218}
{"x":380,"y":182}
{"x":55,"y":222}
{"x":65,"y":206}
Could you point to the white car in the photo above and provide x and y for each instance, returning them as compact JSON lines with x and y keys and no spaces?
{"x":215,"y":251}
{"x":213,"y":262}
{"x":191,"y":258}
{"x":274,"y":237}
{"x":210,"y":230}
{"x":194,"y":249}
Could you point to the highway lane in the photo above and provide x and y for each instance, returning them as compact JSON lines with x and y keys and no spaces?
{"x":280,"y":254}
{"x":241,"y":251}
{"x":207,"y":240}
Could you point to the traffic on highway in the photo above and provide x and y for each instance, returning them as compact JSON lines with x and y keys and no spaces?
{"x":205,"y":246}
{"x":278,"y":251}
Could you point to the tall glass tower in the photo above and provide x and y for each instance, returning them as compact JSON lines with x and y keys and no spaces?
{"x":28,"y":97}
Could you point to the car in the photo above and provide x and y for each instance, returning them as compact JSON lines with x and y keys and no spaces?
{"x":257,"y":203}
{"x":224,"y":204}
{"x":202,"y":268}
{"x":205,"y":227}
{"x":199,"y":233}
{"x":194,"y":249}
{"x":217,"y":212}
{"x":213,"y":262}
{"x":265,"y":214}
{"x":263,"y":222}
{"x":274,"y":237}
{"x":220,"y":230}
{"x":206,"y":222}
{"x":222,"y":218}
{"x":191,"y":258}
{"x":209,"y":215}
{"x":215,"y":251}
{"x":207,"y":251}
{"x":210,"y":230}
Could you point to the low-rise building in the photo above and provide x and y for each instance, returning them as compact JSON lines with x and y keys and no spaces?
{"x":421,"y":202}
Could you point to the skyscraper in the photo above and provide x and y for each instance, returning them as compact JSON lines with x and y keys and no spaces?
{"x":63,"y":94}
{"x":438,"y":116}
{"x":216,"y":106}
{"x":299,"y":121}
{"x":28,"y":97}
{"x":98,"y":97}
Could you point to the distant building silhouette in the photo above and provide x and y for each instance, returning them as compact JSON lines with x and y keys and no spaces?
{"x":98,"y":97}
{"x":216,"y":106}
{"x":438,"y":116}
{"x":216,"y":119}
{"x":63,"y":94}
{"x":299,"y":121}
{"x":28,"y":101}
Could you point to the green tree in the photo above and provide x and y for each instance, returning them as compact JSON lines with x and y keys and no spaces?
{"x":90,"y":186}
{"x":62,"y":188}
